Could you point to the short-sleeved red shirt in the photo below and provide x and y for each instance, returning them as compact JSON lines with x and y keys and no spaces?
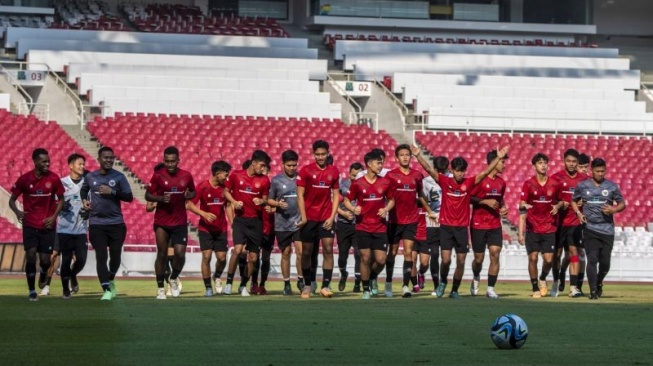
{"x":40,"y":197}
{"x":318,"y":185}
{"x":542,"y":197}
{"x":483,"y":217}
{"x":172,"y":213}
{"x":456,"y":199}
{"x":211,"y":199}
{"x":406,"y":187}
{"x":245,"y":188}
{"x":371,"y":197}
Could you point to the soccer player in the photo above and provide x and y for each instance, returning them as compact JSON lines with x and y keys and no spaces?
{"x":102,"y":193}
{"x":538,"y":221}
{"x":488,"y":208}
{"x":212,"y":228}
{"x":583,"y":165}
{"x":569,"y":234}
{"x":455,"y":214}
{"x":374,"y":199}
{"x":403,"y":218}
{"x":346,"y":232}
{"x":170,"y":187}
{"x":317,"y":199}
{"x":42,"y":202}
{"x":71,"y":226}
{"x":247,"y":192}
{"x":602,"y":199}
{"x":283,"y":198}
{"x":429,"y":248}
{"x":262,"y":265}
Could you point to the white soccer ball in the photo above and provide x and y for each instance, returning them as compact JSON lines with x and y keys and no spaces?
{"x":509,"y":331}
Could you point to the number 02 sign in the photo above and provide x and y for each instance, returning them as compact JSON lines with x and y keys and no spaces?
{"x":356,"y":88}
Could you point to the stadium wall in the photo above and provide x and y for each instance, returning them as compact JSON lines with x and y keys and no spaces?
{"x":623,"y":17}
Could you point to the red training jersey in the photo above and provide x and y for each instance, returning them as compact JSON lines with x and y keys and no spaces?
{"x":371,"y":197}
{"x":566,"y":187}
{"x":245,"y":188}
{"x":456,"y":199}
{"x":211,"y":199}
{"x":172,"y":213}
{"x":406,"y":187}
{"x":484,"y":217}
{"x":268,"y":222}
{"x":420,"y":234}
{"x":318,"y":184}
{"x":41,"y":195}
{"x":542,"y":197}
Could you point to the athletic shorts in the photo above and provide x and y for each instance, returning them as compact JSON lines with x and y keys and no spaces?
{"x":373,"y":241}
{"x":107,"y":236}
{"x":541,"y":243}
{"x":72,"y":242}
{"x":313,"y":231}
{"x":215,"y":241}
{"x":398,"y":232}
{"x":431,"y":245}
{"x":596,"y":241}
{"x":287,"y":238}
{"x":41,"y":239}
{"x":248,"y":231}
{"x":484,"y":238}
{"x":346,"y":234}
{"x":268,"y":241}
{"x":569,"y":235}
{"x":177,"y":235}
{"x":454,"y":237}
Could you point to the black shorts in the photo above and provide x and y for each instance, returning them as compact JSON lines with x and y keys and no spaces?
{"x":398,"y":232}
{"x":268,"y":241}
{"x":215,"y":241}
{"x":41,"y":239}
{"x":107,"y":236}
{"x":346,"y":234}
{"x":177,"y":235}
{"x":484,"y":238}
{"x":541,"y":243}
{"x":373,"y":241}
{"x":431,"y":245}
{"x":569,"y":236}
{"x":313,"y":231}
{"x":595,"y":242}
{"x":72,"y":242}
{"x":454,"y":237}
{"x":248,"y":231}
{"x":286,"y":238}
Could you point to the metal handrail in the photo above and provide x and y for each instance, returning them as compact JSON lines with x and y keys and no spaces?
{"x":16,"y":84}
{"x":342,"y":92}
{"x":393,"y":97}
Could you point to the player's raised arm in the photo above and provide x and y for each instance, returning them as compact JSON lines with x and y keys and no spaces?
{"x":417,"y":153}
{"x":500,"y":155}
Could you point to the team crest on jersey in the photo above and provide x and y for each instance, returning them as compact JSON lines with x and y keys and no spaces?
{"x":605,"y":192}
{"x":241,"y":182}
{"x":166,"y":182}
{"x":329,"y":177}
{"x":364,"y":191}
{"x":549,"y":192}
{"x":314,"y":176}
{"x":209,"y":196}
{"x":488,"y":186}
{"x":463,"y":187}
{"x":564,"y":184}
{"x":284,"y":186}
{"x":48,"y":185}
{"x":112,"y":183}
{"x":182,"y":183}
{"x":257,"y":185}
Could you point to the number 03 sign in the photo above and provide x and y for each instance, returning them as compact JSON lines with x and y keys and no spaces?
{"x":28,"y":77}
{"x":356,"y":88}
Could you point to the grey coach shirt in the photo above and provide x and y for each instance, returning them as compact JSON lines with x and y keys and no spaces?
{"x":106,"y":210}
{"x":594,"y":198}
{"x":284,"y":188}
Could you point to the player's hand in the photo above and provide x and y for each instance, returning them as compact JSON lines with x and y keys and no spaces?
{"x":382,"y":212}
{"x":104,"y":190}
{"x":238,"y":205}
{"x":554,"y":209}
{"x":282,"y":204}
{"x":580,"y":203}
{"x":166,"y":197}
{"x":258,"y":201}
{"x":435,"y":218}
{"x":188,"y":194}
{"x":20,"y":215}
{"x":328,"y":224}
{"x":300,"y":223}
{"x":491,"y":203}
{"x":208,"y":216}
{"x":357,"y":210}
{"x":503,"y":211}
{"x":565,"y":205}
{"x":415,"y":150}
{"x":608,"y":210}
{"x":86,"y":204}
{"x":269,"y":209}
{"x":581,"y":218}
{"x":349,"y":215}
{"x":48,"y":222}
{"x":503,"y":152}
{"x":521,"y":239}
{"x":526,"y":206}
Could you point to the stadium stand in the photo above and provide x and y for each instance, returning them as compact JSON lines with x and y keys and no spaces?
{"x":86,"y":15}
{"x":619,"y":151}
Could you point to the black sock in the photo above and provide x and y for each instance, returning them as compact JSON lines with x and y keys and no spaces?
{"x":407,"y":268}
{"x":573,"y":280}
{"x":326,"y":277}
{"x":230,"y":278}
{"x":556,"y":274}
{"x":456,"y":284}
{"x":357,"y":278}
{"x":112,"y":276}
{"x":106,"y":287}
{"x":563,"y":277}
{"x":242,"y":266}
{"x":159,"y":280}
{"x":217,"y":274}
{"x":243,"y":282}
{"x":175,"y":273}
{"x":48,"y":281}
{"x":373,"y":275}
{"x":534,"y":284}
{"x":436,"y":280}
{"x":207,"y":282}
{"x":307,"y":276}
{"x":543,"y":276}
{"x":476,"y":270}
{"x":389,"y":269}
{"x":65,"y":284}
{"x":422,"y":270}
{"x":366,"y":285}
{"x":342,"y":271}
{"x":413,"y":280}
{"x":286,"y":283}
{"x":265,"y":271}
{"x":30,"y":273}
{"x":491,"y":280}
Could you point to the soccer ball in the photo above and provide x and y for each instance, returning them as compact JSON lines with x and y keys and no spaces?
{"x":509,"y":331}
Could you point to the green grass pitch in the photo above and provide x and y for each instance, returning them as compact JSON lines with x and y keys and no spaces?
{"x":137,"y":329}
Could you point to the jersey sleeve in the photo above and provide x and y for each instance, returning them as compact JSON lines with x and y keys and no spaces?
{"x":524,"y":192}
{"x":153,"y":187}
{"x":353,"y":191}
{"x":392,"y":189}
{"x":336,"y":179}
{"x":476,"y":191}
{"x":577,"y":192}
{"x":273,"y":189}
{"x":197,"y":197}
{"x":58,"y":187}
{"x":124,"y":185}
{"x":191,"y":183}
{"x":265,"y":190}
{"x":301,"y":178}
{"x":419,"y":185}
{"x":616,"y":195}
{"x":230,"y":183}
{"x":18,"y":188}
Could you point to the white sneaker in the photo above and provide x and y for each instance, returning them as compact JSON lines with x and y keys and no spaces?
{"x":491,"y":294}
{"x":244,"y":292}
{"x":179,"y":284}
{"x":473,"y":289}
{"x":168,"y":290}
{"x":575,"y":292}
{"x":227,"y":289}
{"x":161,"y":294}
{"x":434,"y":294}
{"x":218,"y":286}
{"x":554,"y":289}
{"x":174,"y":287}
{"x":388,"y":289}
{"x":406,"y":292}
{"x":45,"y":291}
